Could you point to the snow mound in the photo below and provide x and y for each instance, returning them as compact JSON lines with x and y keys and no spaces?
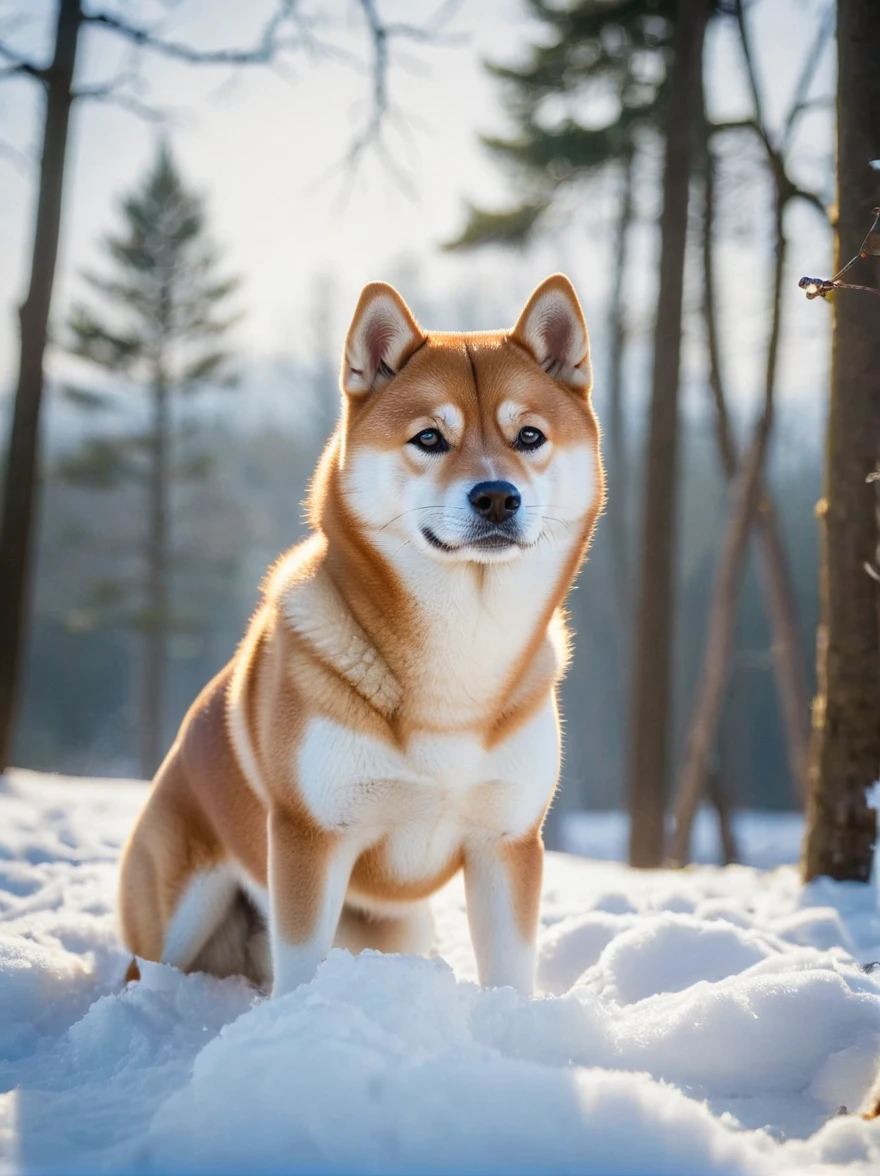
{"x":704,"y":1021}
{"x":670,"y":952}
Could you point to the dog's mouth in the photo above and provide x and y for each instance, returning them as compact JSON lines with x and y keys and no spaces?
{"x":496,"y":539}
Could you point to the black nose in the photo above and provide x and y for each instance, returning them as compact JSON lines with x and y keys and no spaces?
{"x":495,"y":501}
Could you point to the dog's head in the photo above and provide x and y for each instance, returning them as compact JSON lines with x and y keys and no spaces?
{"x":470,"y":447}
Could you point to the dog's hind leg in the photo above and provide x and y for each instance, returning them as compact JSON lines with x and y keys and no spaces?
{"x":408,"y":932}
{"x":202,"y":906}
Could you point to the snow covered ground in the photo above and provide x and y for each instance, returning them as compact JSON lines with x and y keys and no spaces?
{"x":762,"y":839}
{"x":703,"y":1021}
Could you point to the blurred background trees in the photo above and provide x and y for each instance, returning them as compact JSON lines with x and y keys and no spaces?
{"x":158,"y":321}
{"x":286,"y":29}
{"x":684,"y":209}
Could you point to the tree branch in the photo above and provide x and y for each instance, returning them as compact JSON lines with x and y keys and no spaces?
{"x":18,"y":66}
{"x":751,"y":71}
{"x":814,"y":201}
{"x":125,"y":101}
{"x":800,"y":101}
{"x":15,"y":156}
{"x":267,"y":45}
{"x":286,"y":29}
{"x":737,"y":124}
{"x":381,"y":36}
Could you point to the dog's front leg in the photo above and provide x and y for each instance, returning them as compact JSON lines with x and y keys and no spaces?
{"x":503,"y":886}
{"x":309,"y":871}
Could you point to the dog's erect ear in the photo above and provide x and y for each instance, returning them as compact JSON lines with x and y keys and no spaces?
{"x":382,"y":336}
{"x":553,"y":329}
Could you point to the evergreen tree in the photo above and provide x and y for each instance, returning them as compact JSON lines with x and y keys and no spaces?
{"x":616,"y":51}
{"x":157,"y":317}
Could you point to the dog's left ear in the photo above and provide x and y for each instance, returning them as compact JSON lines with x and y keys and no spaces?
{"x":553,"y":329}
{"x":382,"y":336}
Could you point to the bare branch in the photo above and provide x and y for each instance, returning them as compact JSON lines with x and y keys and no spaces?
{"x":432,"y":30}
{"x":751,"y":71}
{"x":737,"y":124}
{"x":801,"y":98}
{"x":18,"y":66}
{"x":371,"y":133}
{"x":15,"y":156}
{"x":381,"y":37}
{"x":786,"y":189}
{"x":269,"y":43}
{"x":822,"y":287}
{"x":287,"y":29}
{"x":108,"y":96}
{"x":814,"y":201}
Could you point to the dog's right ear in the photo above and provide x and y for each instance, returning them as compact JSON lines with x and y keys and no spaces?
{"x":382,"y":336}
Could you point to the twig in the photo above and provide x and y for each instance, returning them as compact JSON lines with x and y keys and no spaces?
{"x":18,"y":65}
{"x":15,"y":156}
{"x":125,"y":101}
{"x":266,"y":46}
{"x":801,"y":100}
{"x":822,"y":287}
{"x":286,"y":29}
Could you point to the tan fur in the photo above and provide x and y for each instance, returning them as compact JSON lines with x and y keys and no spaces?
{"x":340,"y":637}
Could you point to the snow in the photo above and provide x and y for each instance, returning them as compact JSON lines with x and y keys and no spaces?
{"x":763,"y":839}
{"x":699,"y":1021}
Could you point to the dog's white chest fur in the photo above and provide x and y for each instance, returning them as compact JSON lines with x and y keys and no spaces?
{"x":441,"y":791}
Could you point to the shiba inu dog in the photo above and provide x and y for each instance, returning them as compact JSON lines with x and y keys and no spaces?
{"x":390,"y":716}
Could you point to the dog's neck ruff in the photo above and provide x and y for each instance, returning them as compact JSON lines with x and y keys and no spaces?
{"x":467,"y":641}
{"x":315,"y":611}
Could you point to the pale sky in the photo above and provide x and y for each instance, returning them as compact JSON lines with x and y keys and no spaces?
{"x":258,"y":146}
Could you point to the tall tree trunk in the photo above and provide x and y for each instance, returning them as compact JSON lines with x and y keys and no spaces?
{"x":717,"y":793}
{"x":788,"y":659}
{"x":845,"y":753}
{"x":156,"y":619}
{"x":786,"y":650}
{"x":20,"y":491}
{"x":616,"y":425}
{"x":745,"y":494}
{"x":651,"y":707}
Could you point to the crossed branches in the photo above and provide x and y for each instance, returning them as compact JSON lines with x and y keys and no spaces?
{"x":747,"y":490}
{"x":289,"y":29}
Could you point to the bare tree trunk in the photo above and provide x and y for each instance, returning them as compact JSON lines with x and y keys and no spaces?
{"x":156,"y":619}
{"x":845,"y":753}
{"x":651,"y":706}
{"x":744,"y":496}
{"x":616,"y":425}
{"x":788,"y":659}
{"x":20,"y":492}
{"x":719,"y":797}
{"x":788,"y":656}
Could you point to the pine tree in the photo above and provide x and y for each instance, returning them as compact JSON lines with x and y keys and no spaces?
{"x":617,"y":51}
{"x":157,"y":318}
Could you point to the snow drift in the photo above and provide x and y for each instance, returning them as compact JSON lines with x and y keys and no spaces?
{"x":704,"y":1021}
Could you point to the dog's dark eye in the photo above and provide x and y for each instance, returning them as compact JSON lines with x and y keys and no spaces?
{"x":430,"y":441}
{"x":529,"y":438}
